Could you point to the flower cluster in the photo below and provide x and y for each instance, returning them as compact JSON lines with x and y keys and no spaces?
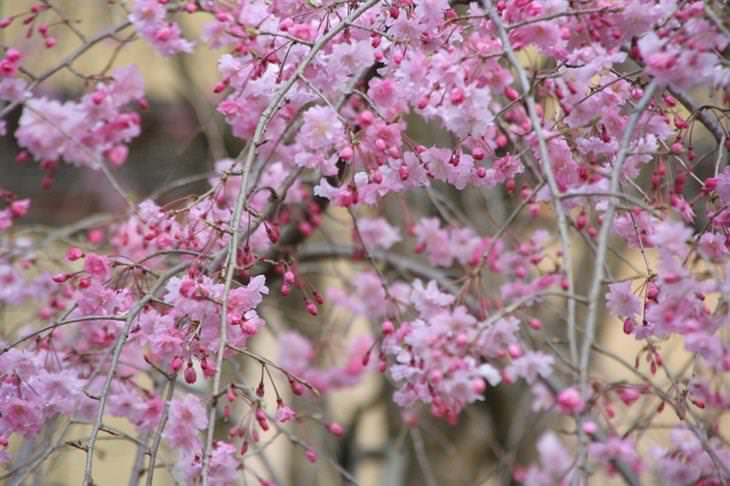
{"x":87,"y":132}
{"x":552,"y":127}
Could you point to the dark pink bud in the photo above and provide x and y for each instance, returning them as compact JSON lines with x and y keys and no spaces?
{"x":73,"y":254}
{"x":177,"y":363}
{"x":305,"y":228}
{"x":117,"y":155}
{"x":365,"y":118}
{"x":220,"y":86}
{"x":248,"y":328}
{"x":590,"y":428}
{"x":22,"y":157}
{"x":514,"y":351}
{"x":570,"y":402}
{"x":261,"y":419}
{"x":336,"y":429}
{"x":311,"y":455}
{"x":274,"y":233}
{"x":628,"y":326}
{"x":19,"y":208}
{"x":296,"y":388}
{"x":628,"y":395}
{"x":190,"y":375}
{"x":164,"y":34}
{"x":511,"y":93}
{"x":346,"y":153}
{"x":13,"y":55}
{"x":457,"y":96}
{"x":403,"y":172}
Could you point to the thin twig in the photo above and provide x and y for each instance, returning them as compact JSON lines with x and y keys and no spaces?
{"x":67,"y":62}
{"x":157,"y":438}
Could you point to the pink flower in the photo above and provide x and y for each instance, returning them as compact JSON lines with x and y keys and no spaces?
{"x":542,"y":398}
{"x":570,"y":402}
{"x":224,"y":466}
{"x":545,"y":35}
{"x":556,"y":466}
{"x":723,"y":185}
{"x":187,"y":417}
{"x":311,"y":455}
{"x":13,"y":89}
{"x":97,"y":266}
{"x":117,"y":155}
{"x":46,"y":136}
{"x":20,"y":207}
{"x":616,"y":449}
{"x":295,"y":352}
{"x":243,"y":299}
{"x":149,"y":18}
{"x":148,"y":412}
{"x":348,"y":59}
{"x":531,"y":365}
{"x":671,"y":64}
{"x":285,"y":414}
{"x":190,"y":411}
{"x":671,"y":237}
{"x":429,"y":299}
{"x":21,"y":416}
{"x":621,"y":301}
{"x":377,"y":233}
{"x":629,"y":395}
{"x":321,"y":129}
{"x":713,"y":246}
{"x":435,"y":241}
{"x":367,"y":297}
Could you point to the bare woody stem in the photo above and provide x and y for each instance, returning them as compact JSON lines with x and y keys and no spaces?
{"x":602,"y":249}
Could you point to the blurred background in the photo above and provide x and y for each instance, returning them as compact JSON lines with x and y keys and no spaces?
{"x":182,"y":136}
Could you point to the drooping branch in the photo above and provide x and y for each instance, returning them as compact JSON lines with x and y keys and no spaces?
{"x":230,"y":267}
{"x":547,"y":167}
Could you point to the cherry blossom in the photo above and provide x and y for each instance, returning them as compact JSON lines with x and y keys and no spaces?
{"x":454,"y":200}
